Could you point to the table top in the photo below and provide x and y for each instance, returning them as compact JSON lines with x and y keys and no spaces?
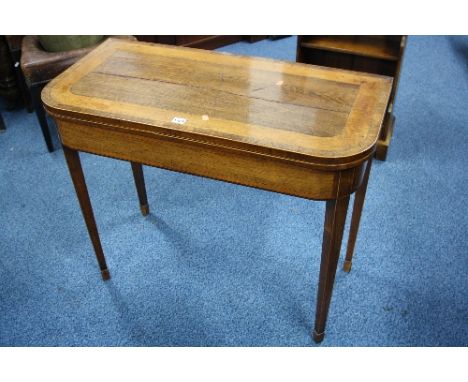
{"x":282,"y":109}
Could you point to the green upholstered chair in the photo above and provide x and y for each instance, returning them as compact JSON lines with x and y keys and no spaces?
{"x":55,"y":43}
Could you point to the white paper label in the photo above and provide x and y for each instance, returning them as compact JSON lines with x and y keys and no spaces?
{"x":179,"y":120}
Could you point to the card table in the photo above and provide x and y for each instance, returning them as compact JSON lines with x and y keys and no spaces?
{"x":290,"y":128}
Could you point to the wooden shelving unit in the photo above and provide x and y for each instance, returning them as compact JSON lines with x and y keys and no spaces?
{"x":372,"y":54}
{"x":366,"y":46}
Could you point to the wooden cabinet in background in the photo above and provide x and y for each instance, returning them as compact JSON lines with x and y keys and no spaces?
{"x":8,"y":87}
{"x":371,"y":54}
{"x":202,"y":42}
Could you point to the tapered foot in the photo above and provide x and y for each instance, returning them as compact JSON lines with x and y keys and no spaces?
{"x":318,"y":337}
{"x":144,"y":209}
{"x":347,"y":266}
{"x":105,"y":274}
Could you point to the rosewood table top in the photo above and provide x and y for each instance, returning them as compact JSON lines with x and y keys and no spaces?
{"x":307,"y":113}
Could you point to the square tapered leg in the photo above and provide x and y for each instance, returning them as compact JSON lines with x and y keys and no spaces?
{"x":74,"y":165}
{"x":335,"y":217}
{"x":138,"y":176}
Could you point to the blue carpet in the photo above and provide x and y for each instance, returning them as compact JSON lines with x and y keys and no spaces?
{"x":220,"y":264}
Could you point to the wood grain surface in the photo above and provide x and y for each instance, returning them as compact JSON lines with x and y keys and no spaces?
{"x":311,"y":114}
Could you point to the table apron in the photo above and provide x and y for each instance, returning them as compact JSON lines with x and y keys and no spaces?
{"x":220,"y":163}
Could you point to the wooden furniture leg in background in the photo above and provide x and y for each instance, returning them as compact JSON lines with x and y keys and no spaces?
{"x":35,"y":92}
{"x":335,"y":218}
{"x":356,"y":218}
{"x":140,"y":186}
{"x":76,"y":172}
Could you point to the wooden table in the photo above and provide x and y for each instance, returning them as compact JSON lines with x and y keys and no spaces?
{"x":290,"y":128}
